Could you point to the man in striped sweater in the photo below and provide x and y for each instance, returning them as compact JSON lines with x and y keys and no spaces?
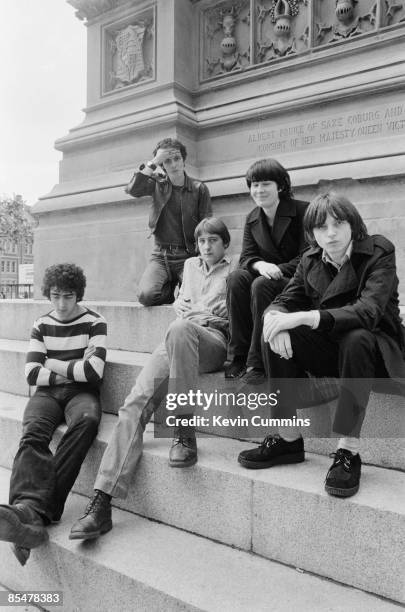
{"x":65,"y":361}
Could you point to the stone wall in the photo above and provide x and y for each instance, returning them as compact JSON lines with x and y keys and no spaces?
{"x":320,"y":86}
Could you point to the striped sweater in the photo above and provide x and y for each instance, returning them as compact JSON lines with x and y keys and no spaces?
{"x":64,"y":343}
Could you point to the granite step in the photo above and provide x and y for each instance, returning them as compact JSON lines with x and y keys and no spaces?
{"x":383,"y":429}
{"x":147,"y":566}
{"x":131,"y":326}
{"x":282,"y":514}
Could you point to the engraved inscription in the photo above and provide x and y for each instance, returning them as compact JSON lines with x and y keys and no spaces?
{"x":338,"y":129}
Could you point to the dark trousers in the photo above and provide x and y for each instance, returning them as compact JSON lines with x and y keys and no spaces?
{"x":247,"y":298}
{"x":43,"y":480}
{"x":161,"y":276}
{"x":355,"y":359}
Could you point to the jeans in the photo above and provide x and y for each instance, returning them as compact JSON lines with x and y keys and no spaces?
{"x":161,"y":276}
{"x":248,"y":297}
{"x":40,"y":479}
{"x":187,"y":350}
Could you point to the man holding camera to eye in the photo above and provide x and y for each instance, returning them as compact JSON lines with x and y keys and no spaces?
{"x":179,"y":203}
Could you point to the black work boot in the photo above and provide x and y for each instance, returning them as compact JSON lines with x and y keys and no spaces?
{"x":21,"y":525}
{"x":343,"y":477}
{"x":96,"y":519}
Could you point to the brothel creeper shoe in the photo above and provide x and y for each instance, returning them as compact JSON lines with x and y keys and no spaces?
{"x":274,"y":450}
{"x":96,"y":519}
{"x":343,"y":477}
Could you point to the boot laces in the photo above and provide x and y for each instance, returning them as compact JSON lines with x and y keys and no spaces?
{"x":96,"y":502}
{"x":270,"y":440}
{"x":341,"y":458}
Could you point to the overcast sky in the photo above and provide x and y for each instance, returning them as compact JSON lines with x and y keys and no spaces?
{"x":43,"y":84}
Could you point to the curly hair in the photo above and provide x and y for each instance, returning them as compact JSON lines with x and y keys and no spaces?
{"x":171,"y":143}
{"x":270,"y":170}
{"x":65,"y":277}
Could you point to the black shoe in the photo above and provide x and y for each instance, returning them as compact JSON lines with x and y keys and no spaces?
{"x":236,"y":368}
{"x":183,"y":452}
{"x":273,"y":451}
{"x":255,"y":376}
{"x":343,"y":478}
{"x":96,"y":519}
{"x":22,"y":526}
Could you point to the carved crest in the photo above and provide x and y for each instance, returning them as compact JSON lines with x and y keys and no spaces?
{"x":130,"y":64}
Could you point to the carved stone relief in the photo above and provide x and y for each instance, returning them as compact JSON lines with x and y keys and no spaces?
{"x":129,"y":52}
{"x":393,"y":12}
{"x":281,"y":28}
{"x":226,"y":38}
{"x":350,"y":18}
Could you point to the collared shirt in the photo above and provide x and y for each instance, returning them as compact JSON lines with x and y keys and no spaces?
{"x":205,"y":289}
{"x":348,"y":253}
{"x":327,"y":260}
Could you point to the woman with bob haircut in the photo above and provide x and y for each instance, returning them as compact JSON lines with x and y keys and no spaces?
{"x":338,"y":316}
{"x":273,"y":240}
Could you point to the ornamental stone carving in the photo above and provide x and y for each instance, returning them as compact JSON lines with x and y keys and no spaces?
{"x":351,"y":18}
{"x":226,"y":41}
{"x":129,"y":51}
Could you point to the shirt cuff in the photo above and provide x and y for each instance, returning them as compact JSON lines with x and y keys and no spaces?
{"x":316,"y":319}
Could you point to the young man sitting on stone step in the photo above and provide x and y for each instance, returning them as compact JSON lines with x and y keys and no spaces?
{"x":337,"y":317}
{"x":195,"y":342}
{"x":179,"y":203}
{"x":65,"y":360}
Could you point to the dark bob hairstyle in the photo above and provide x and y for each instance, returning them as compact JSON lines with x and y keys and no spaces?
{"x":339,"y":207}
{"x":212,"y":225}
{"x":65,"y":277}
{"x":171,"y":143}
{"x":270,"y":170}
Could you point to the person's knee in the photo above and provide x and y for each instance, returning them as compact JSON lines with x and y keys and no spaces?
{"x":237,"y":279}
{"x":262,"y":285}
{"x":88,"y":421}
{"x":179,"y":329}
{"x":148,"y":298}
{"x":358,"y":341}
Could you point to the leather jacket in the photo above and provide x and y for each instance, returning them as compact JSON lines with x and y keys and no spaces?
{"x":195,"y":202}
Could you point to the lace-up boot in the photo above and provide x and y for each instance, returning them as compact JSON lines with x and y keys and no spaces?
{"x":96,"y":519}
{"x":343,"y":477}
{"x":274,"y":450}
{"x":183,"y":452}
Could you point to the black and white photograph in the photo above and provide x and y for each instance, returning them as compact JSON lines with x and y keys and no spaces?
{"x":202,"y":306}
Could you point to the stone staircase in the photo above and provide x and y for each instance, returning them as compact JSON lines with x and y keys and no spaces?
{"x":215,"y":536}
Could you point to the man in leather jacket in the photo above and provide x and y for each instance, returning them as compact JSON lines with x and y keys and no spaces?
{"x":178,"y":204}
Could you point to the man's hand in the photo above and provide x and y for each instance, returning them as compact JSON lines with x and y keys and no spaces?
{"x":281,"y":344}
{"x":221,"y":310}
{"x":181,"y":307}
{"x":61,"y":380}
{"x":275,"y":322}
{"x":268,"y":270}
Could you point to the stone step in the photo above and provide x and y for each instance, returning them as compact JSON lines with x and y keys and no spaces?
{"x":383,"y":429}
{"x":281,"y":513}
{"x":147,"y":566}
{"x":131,"y":327}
